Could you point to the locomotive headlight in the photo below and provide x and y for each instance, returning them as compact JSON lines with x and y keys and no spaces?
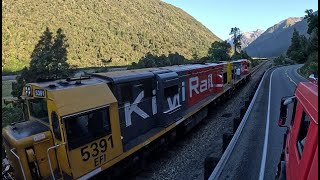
{"x":28,"y":90}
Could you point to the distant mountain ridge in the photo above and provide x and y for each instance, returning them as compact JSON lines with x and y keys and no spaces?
{"x":122,"y":31}
{"x":247,"y":37}
{"x":277,"y":39}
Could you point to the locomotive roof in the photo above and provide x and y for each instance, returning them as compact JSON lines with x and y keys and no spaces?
{"x":239,"y":60}
{"x":136,"y":74}
{"x":119,"y":76}
{"x":63,"y":83}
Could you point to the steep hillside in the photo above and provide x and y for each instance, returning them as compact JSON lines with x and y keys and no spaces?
{"x":276,"y":39}
{"x":247,"y":37}
{"x":120,"y":30}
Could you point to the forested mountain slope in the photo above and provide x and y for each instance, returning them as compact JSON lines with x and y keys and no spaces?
{"x":122,"y":31}
{"x":277,"y":39}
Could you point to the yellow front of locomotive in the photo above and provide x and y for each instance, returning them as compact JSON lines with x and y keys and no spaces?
{"x":71,"y":131}
{"x":26,"y":141}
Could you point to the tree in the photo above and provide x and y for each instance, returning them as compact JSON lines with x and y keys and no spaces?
{"x":48,"y":61}
{"x":195,"y":54}
{"x":297,"y":51}
{"x":21,"y":81}
{"x":236,"y":38}
{"x":295,"y":42}
{"x":41,"y":57}
{"x":303,"y":50}
{"x":176,"y":59}
{"x":149,"y":60}
{"x":59,"y":67}
{"x":312,"y":20}
{"x":241,"y":55}
{"x":219,"y":51}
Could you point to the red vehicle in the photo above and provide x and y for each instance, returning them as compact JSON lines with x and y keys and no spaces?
{"x":299,"y":157}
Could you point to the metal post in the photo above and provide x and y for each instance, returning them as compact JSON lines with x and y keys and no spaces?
{"x":53,"y":147}
{"x":11,"y":150}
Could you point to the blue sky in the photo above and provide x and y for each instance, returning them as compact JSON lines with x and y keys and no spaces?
{"x":248,"y":15}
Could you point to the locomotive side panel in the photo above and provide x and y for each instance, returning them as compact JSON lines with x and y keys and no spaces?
{"x":169,"y":98}
{"x":137,"y":110}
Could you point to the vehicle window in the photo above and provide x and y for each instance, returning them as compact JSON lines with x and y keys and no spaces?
{"x":225,"y":79}
{"x":233,"y":73}
{"x":303,"y":130}
{"x":38,"y":109}
{"x":171,"y":91}
{"x":87,"y":127}
{"x":55,"y":125}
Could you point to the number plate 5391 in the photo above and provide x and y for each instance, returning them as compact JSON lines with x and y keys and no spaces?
{"x":97,"y":150}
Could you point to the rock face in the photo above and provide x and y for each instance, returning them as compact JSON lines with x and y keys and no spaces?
{"x":277,"y":39}
{"x":247,"y":38}
{"x":122,"y":31}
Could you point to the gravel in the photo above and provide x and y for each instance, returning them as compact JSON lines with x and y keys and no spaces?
{"x":184,"y":159}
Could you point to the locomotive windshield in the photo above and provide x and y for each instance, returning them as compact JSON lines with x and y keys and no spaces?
{"x":38,"y":109}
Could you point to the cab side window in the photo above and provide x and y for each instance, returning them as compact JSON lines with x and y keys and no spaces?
{"x":171,"y":91}
{"x":87,"y":127}
{"x":225,"y":78}
{"x":303,"y":130}
{"x":55,"y":125}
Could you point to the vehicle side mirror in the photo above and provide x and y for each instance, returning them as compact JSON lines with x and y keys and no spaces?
{"x":283,"y":114}
{"x":312,"y":77}
{"x":285,"y":101}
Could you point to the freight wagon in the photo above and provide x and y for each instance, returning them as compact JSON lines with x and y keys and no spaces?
{"x":78,"y":127}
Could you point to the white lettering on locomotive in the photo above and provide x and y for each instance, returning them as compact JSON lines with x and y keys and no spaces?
{"x":183,"y":91}
{"x":154,"y":102}
{"x":195,"y":86}
{"x":129,"y":108}
{"x":204,"y":84}
{"x":173,"y":103}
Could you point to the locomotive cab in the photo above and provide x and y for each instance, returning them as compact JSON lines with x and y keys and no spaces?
{"x":69,"y":131}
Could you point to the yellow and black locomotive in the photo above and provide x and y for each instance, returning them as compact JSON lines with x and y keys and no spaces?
{"x":79,"y":127}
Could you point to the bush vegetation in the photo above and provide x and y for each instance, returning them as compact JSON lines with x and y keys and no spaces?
{"x":101,"y":33}
{"x":303,"y":50}
{"x":48,"y":62}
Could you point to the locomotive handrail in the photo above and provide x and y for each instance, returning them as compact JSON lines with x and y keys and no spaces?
{"x":52,"y":147}
{"x":170,"y":111}
{"x":11,"y":150}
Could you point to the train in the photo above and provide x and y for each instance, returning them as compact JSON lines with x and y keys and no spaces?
{"x":76,"y":128}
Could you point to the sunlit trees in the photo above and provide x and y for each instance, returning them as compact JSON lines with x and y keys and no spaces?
{"x":236,"y":38}
{"x":219,"y":51}
{"x":48,"y":61}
